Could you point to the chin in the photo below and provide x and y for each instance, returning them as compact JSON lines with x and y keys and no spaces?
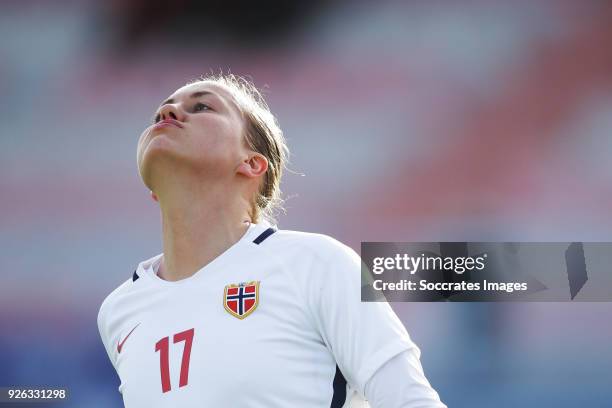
{"x":160,"y":141}
{"x":158,"y":158}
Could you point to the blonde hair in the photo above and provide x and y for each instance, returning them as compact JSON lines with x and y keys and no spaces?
{"x":263,"y":135}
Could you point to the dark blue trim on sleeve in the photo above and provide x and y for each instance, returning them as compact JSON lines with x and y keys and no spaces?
{"x":339,"y":397}
{"x":135,"y":276}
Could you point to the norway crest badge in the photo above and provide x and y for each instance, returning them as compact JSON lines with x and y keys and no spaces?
{"x":240,"y":300}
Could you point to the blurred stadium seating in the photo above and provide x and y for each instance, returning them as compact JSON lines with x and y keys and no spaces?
{"x":470,"y":120}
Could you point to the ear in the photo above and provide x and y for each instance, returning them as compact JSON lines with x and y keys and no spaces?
{"x":154,"y":196}
{"x":253,"y":166}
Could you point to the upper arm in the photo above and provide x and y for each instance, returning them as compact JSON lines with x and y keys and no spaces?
{"x":362,"y":336}
{"x":104,"y":332}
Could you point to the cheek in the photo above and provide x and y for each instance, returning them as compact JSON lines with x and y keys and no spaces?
{"x":221,"y":139}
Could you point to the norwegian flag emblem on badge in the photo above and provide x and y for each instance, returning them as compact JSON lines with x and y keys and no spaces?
{"x":240,"y":300}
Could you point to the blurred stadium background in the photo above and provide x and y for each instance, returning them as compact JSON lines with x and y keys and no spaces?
{"x":409,"y":120}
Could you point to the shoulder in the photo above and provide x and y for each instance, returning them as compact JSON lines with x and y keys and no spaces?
{"x":125,"y":291}
{"x":310,"y":254}
{"x":110,"y":301}
{"x":318,"y":247}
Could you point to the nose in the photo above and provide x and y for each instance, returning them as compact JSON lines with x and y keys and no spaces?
{"x":170,"y":111}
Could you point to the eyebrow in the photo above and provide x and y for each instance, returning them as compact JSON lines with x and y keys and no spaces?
{"x":193,"y":95}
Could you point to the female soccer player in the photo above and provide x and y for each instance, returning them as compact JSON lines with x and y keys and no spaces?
{"x":235,"y":313}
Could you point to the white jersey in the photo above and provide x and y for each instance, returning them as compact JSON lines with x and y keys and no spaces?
{"x":274,"y":321}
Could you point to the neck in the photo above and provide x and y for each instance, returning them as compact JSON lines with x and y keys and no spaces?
{"x":199,"y":224}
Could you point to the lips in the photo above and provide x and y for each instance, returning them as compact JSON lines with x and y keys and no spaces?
{"x":168,"y":122}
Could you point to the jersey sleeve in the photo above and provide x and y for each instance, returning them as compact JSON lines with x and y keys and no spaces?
{"x":107,"y":341}
{"x":104,"y":334}
{"x":362,"y":336}
{"x":400,"y":382}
